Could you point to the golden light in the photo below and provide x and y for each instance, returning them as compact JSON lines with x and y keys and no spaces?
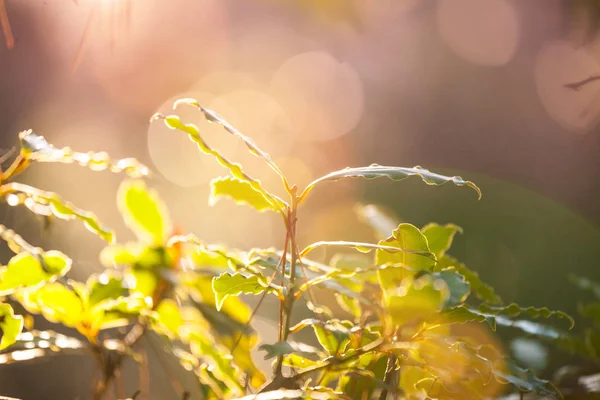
{"x":484,"y":32}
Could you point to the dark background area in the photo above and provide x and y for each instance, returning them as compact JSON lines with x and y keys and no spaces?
{"x":474,"y":88}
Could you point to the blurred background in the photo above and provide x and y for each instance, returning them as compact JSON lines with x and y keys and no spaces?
{"x":468,"y":87}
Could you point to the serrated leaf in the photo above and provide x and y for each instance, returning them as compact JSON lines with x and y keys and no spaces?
{"x":395,"y":173}
{"x":463,"y":314}
{"x":514,"y":310}
{"x":228,"y":284}
{"x":240,"y":191}
{"x":480,"y":289}
{"x":285,"y":348}
{"x":365,"y":248}
{"x":144,"y":212}
{"x":52,"y":203}
{"x":525,"y":380}
{"x":36,"y":148}
{"x":10,"y":324}
{"x":27,"y":270}
{"x":174,"y":122}
{"x":213,"y":117}
{"x":407,"y":237}
{"x":440,"y":237}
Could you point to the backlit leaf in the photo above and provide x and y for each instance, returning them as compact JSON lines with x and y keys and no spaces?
{"x":458,"y":286}
{"x":407,"y":237}
{"x":240,"y":191}
{"x":440,"y":237}
{"x":174,"y":122}
{"x":395,"y":173}
{"x":10,"y":324}
{"x":285,"y":348}
{"x":144,"y":212}
{"x":49,"y":203}
{"x":36,"y":148}
{"x":26,"y":270}
{"x":364,"y":248}
{"x":228,"y":284}
{"x":213,"y":117}
{"x":416,"y":300}
{"x":525,"y":380}
{"x":480,"y":289}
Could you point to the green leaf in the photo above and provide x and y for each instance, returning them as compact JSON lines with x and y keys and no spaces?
{"x":103,"y":287}
{"x":440,"y":237}
{"x":227,"y":284}
{"x":174,"y":122}
{"x":407,"y":237}
{"x":480,"y":289}
{"x":285,"y":348}
{"x":332,"y":335}
{"x":498,"y":316}
{"x":27,"y":270}
{"x":168,"y":317}
{"x":49,"y":203}
{"x":458,"y":286}
{"x":240,"y":191}
{"x":414,"y":301}
{"x":10,"y":324}
{"x":144,"y":212}
{"x":395,"y":173}
{"x":36,"y":148}
{"x":56,"y":303}
{"x":514,"y":310}
{"x":364,"y":248}
{"x":360,"y":386}
{"x":213,"y":117}
{"x":525,"y":380}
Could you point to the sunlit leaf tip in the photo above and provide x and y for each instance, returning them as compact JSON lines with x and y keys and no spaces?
{"x":37,"y":148}
{"x":239,"y":191}
{"x":374,"y":171}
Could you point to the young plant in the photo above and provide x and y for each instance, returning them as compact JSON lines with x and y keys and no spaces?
{"x":407,"y":304}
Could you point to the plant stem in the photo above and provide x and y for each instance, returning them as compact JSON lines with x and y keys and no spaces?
{"x":389,"y":375}
{"x":288,"y":303}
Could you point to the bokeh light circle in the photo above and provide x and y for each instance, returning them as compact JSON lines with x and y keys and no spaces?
{"x":557,"y":65}
{"x":483,"y":32}
{"x":322,"y":97}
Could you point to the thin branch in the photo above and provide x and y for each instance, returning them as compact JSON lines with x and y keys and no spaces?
{"x":579,"y":84}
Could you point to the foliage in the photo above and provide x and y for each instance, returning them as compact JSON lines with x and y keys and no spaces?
{"x":403,"y":332}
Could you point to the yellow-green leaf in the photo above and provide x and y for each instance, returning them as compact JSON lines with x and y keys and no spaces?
{"x":439,"y":237}
{"x":26,"y":270}
{"x":144,"y":212}
{"x":409,"y":238}
{"x":227,"y":284}
{"x":10,"y":324}
{"x":240,"y":191}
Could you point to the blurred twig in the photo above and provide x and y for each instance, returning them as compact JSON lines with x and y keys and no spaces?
{"x":8,"y":36}
{"x":579,"y":84}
